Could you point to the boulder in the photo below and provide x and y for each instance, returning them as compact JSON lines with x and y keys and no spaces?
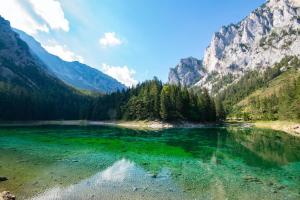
{"x":7,"y":196}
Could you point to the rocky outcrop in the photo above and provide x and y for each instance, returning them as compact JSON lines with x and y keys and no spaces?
{"x":7,"y":196}
{"x":265,"y":37}
{"x":188,"y":72}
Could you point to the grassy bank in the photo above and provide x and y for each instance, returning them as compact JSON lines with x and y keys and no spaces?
{"x":292,"y":128}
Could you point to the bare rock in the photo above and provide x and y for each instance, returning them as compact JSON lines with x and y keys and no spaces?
{"x":260,"y":40}
{"x":7,"y":196}
{"x":187,"y":72}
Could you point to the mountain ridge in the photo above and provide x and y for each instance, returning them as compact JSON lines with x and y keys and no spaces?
{"x":27,"y":89}
{"x":74,"y":73}
{"x":189,"y":71}
{"x":263,"y":38}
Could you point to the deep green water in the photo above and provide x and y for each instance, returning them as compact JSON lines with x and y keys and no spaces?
{"x":79,"y":162}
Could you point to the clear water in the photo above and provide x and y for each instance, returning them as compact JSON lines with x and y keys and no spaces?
{"x":89,"y":162}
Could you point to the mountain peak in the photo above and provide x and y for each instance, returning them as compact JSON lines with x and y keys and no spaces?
{"x":187,"y":72}
{"x":264,"y":37}
{"x":239,"y":44}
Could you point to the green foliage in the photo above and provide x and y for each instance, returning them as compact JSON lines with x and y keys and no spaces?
{"x":224,"y":81}
{"x":152,"y":100}
{"x":220,"y":112}
{"x":282,"y":103}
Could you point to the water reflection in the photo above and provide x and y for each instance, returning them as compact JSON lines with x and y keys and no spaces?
{"x":206,"y":163}
{"x":268,"y":145}
{"x":121,"y":180}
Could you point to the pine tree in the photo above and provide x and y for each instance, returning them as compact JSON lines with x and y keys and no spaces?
{"x":220,"y":112}
{"x":165,"y":103}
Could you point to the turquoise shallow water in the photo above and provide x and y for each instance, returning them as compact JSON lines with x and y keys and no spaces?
{"x":98,"y":162}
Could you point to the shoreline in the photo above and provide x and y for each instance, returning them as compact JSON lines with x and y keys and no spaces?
{"x":291,"y":128}
{"x":139,"y":125}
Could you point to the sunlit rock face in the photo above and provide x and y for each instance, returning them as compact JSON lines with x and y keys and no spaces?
{"x":263,"y":38}
{"x":187,"y":72}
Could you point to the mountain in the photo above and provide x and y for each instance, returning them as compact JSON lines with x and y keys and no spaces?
{"x":28,"y":91}
{"x":265,"y":37}
{"x":75,"y":73}
{"x":188,"y":72}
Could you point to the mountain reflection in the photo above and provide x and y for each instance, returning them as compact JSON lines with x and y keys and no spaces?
{"x":269,"y":145}
{"x":123,"y":179}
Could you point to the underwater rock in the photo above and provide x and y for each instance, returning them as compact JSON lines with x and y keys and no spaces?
{"x":280,"y":187}
{"x":252,"y":179}
{"x":3,"y":178}
{"x":7,"y":196}
{"x":154,"y":176}
{"x":270,"y":184}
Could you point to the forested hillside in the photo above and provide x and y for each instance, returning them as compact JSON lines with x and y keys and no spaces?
{"x":29,"y":92}
{"x":152,"y":100}
{"x":271,"y":95}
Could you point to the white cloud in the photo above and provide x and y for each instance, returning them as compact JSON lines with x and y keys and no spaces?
{"x":51,"y":12}
{"x":63,"y":52}
{"x":123,"y":74}
{"x":110,"y":39}
{"x":33,"y":16}
{"x":19,"y":17}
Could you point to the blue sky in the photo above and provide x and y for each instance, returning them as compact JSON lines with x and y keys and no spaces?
{"x":132,"y":40}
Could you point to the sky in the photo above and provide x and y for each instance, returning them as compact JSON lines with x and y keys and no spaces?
{"x":130,"y":40}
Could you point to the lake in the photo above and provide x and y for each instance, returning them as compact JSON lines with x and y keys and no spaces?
{"x":101,"y":162}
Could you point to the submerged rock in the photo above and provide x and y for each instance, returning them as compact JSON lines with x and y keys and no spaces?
{"x":252,"y":179}
{"x":3,"y":178}
{"x":7,"y":196}
{"x":154,"y":176}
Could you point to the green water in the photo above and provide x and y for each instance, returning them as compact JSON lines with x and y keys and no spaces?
{"x":90,"y":162}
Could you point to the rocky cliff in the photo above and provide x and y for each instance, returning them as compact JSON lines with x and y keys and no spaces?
{"x":263,"y":38}
{"x":188,"y":72}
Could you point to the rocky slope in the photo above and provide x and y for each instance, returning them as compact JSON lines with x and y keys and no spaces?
{"x":75,"y":74}
{"x":188,"y":72}
{"x":267,"y":35}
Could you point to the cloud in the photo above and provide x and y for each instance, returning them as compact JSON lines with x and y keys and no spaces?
{"x":110,"y":39}
{"x":63,"y":52}
{"x":34,"y":16}
{"x":51,"y":12}
{"x":123,"y":74}
{"x":20,"y":18}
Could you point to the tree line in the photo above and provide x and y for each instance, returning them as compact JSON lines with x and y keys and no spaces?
{"x":150,"y":100}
